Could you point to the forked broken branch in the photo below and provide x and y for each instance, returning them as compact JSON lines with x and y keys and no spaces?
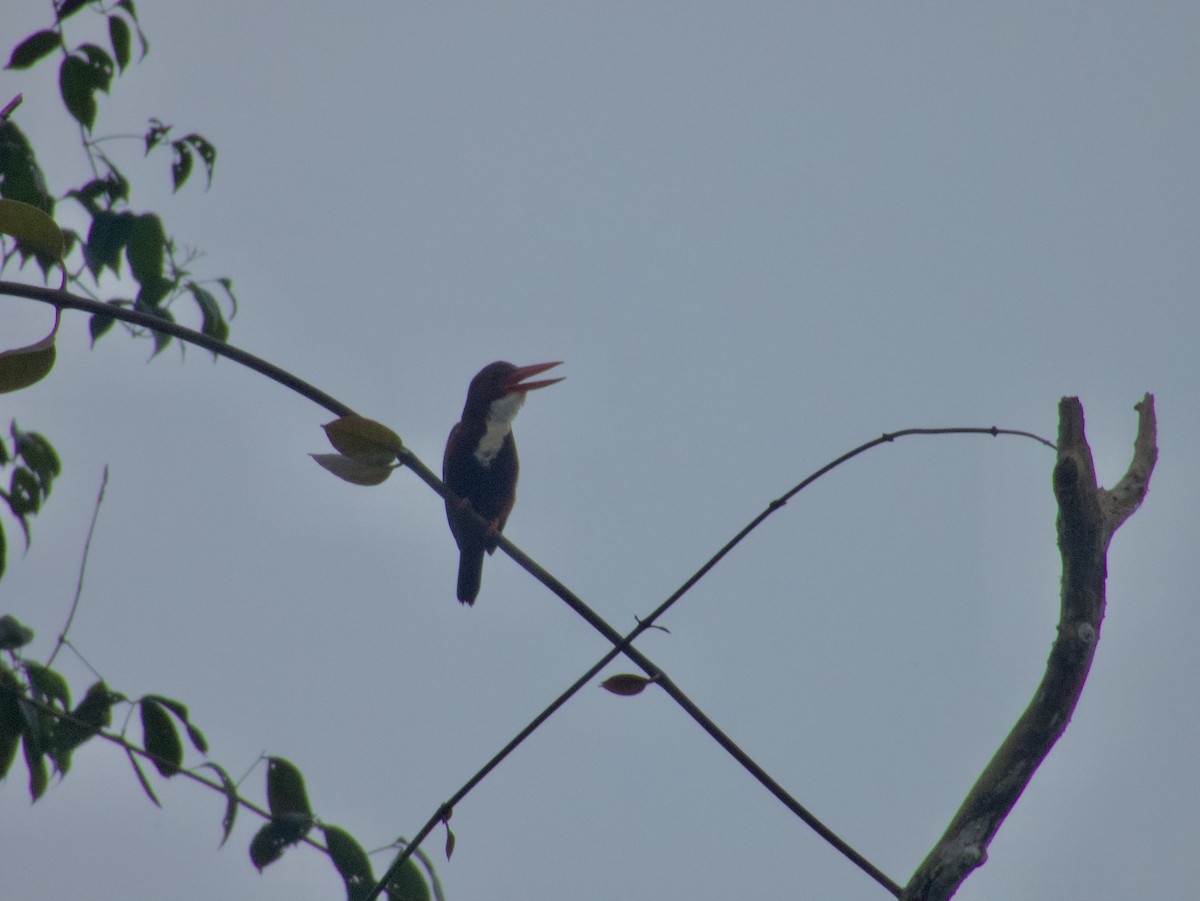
{"x":1088,"y":515}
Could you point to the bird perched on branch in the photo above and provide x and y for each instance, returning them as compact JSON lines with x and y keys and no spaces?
{"x":480,"y":464}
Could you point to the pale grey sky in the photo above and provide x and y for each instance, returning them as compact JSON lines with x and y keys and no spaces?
{"x":758,"y":234}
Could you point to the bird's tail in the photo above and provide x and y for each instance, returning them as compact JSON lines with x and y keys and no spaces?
{"x":470,"y":573}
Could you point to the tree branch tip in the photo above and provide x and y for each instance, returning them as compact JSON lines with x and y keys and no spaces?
{"x":642,"y":622}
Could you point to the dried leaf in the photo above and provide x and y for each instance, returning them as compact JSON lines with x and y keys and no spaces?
{"x":626,"y":684}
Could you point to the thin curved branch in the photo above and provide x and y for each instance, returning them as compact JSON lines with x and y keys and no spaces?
{"x":65,"y":300}
{"x":1087,"y":518}
{"x":643,"y":624}
{"x":87,"y":549}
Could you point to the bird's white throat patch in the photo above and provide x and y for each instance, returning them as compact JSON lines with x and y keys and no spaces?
{"x":499,"y":423}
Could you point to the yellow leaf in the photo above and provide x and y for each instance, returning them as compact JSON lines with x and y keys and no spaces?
{"x":364,"y":439}
{"x":31,"y":227}
{"x":24,"y":366}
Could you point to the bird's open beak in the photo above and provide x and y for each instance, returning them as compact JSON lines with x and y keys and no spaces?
{"x":515,"y":383}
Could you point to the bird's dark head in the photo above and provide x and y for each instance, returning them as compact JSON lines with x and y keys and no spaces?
{"x":501,"y":381}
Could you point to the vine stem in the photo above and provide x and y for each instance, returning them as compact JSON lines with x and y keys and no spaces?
{"x":87,"y":547}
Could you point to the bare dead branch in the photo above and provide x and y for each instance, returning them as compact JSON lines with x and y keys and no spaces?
{"x":1088,"y":516}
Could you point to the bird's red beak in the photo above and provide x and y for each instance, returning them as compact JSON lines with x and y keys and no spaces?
{"x":515,"y":383}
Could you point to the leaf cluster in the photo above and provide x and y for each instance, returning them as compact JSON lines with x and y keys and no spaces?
{"x":121,"y":246}
{"x":38,"y":719}
{"x":32,"y":466}
{"x":158,"y":271}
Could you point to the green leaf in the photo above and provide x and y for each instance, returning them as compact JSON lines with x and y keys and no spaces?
{"x":409,"y":884}
{"x":156,"y":133}
{"x":127,"y":5}
{"x":119,"y":35}
{"x":39,"y":776}
{"x":181,"y":712}
{"x":33,"y":48}
{"x":21,"y":521}
{"x":176,"y":707}
{"x":213,"y":323}
{"x":351,"y":861}
{"x":10,"y":718}
{"x":285,"y":789}
{"x":98,"y":325}
{"x":35,"y":721}
{"x":142,"y":779}
{"x":24,"y":494}
{"x":20,"y":176}
{"x":146,"y":248}
{"x":100,"y":63}
{"x":207,"y":152}
{"x":107,"y":237}
{"x":160,"y":738}
{"x":13,"y":634}
{"x":48,"y":683}
{"x":77,"y":82}
{"x":231,"y":800}
{"x":93,"y":714}
{"x":70,"y":7}
{"x":37,"y":475}
{"x":288,"y":826}
{"x":181,"y":167}
{"x":196,"y":737}
{"x":227,"y":284}
{"x":267,"y":846}
{"x":39,"y":455}
{"x":112,"y":187}
{"x":161,"y":339}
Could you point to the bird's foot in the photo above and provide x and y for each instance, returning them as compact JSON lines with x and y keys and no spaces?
{"x":492,"y":534}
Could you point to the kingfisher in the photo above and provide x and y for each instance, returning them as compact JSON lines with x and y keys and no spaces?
{"x":480,"y":464}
